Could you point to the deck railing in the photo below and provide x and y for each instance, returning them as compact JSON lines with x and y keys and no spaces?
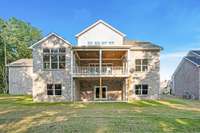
{"x":105,"y":70}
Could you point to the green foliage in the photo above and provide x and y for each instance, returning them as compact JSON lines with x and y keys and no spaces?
{"x":17,"y":35}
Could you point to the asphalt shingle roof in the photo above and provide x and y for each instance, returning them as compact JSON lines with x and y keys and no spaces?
{"x":196,"y":51}
{"x":22,"y":62}
{"x":141,"y":44}
{"x":194,"y":59}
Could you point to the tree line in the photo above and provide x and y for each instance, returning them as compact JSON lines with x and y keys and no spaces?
{"x":15,"y":38}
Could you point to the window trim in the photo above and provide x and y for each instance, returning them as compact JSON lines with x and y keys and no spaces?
{"x":141,"y":89}
{"x":54,"y":90}
{"x":142,"y":65}
{"x":50,"y":62}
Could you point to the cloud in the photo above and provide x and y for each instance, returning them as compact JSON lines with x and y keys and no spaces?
{"x":169,"y":63}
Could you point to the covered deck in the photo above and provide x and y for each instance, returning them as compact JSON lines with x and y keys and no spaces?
{"x":100,"y":89}
{"x":100,"y":63}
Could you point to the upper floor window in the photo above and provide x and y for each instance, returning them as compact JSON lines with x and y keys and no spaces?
{"x":90,"y":42}
{"x":54,"y":58}
{"x":97,"y":43}
{"x":100,"y":42}
{"x":141,"y":89}
{"x":104,"y":42}
{"x":141,"y":65}
{"x":111,"y":42}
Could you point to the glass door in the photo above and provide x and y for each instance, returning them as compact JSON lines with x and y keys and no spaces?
{"x":100,"y":93}
{"x":97,"y":93}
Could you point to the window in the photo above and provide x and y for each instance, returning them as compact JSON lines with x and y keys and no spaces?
{"x":49,"y":89}
{"x":58,"y":89}
{"x":111,"y":42}
{"x":141,"y":65}
{"x":90,"y":42}
{"x":141,"y":89}
{"x":46,"y":58}
{"x":97,"y":43}
{"x":54,"y":58}
{"x":54,"y":89}
{"x":104,"y":42}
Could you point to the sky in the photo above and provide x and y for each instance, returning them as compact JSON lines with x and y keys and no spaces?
{"x":172,"y":24}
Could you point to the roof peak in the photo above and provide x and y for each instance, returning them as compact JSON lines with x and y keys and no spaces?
{"x":97,"y":22}
{"x":47,"y":36}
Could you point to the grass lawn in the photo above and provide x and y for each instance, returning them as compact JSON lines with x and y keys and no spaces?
{"x":19,"y":114}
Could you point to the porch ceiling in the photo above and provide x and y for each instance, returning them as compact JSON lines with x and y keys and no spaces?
{"x":113,"y":54}
{"x":88,"y":54}
{"x":105,"y":54}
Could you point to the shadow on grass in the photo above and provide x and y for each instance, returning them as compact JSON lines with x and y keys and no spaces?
{"x":28,"y":116}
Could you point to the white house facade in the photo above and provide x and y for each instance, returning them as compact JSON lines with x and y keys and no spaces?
{"x":102,"y":66}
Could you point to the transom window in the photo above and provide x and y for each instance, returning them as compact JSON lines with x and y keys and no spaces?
{"x":54,"y":58}
{"x":141,"y":89}
{"x":141,"y":65}
{"x":54,"y":89}
{"x":100,"y":42}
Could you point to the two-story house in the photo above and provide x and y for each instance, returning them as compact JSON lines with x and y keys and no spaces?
{"x":186,"y":78}
{"x":103,"y":66}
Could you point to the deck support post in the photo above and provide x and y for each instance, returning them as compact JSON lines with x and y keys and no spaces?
{"x":100,"y":71}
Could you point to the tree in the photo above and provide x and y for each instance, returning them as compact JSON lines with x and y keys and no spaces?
{"x":17,"y":36}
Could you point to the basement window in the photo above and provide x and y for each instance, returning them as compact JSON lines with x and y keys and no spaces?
{"x":141,"y":89}
{"x":54,"y":89}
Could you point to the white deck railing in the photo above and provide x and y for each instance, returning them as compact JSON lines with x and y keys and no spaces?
{"x":112,"y":70}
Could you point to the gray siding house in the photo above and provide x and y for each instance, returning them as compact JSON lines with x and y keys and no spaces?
{"x":102,"y":66}
{"x":186,"y":78}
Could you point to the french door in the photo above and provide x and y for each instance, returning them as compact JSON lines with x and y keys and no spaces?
{"x":100,"y":93}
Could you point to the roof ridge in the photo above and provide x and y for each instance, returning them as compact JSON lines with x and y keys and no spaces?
{"x":97,"y":22}
{"x":49,"y":35}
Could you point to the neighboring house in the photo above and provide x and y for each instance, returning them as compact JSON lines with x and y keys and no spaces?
{"x":103,"y":66}
{"x":186,"y":78}
{"x":165,"y":87}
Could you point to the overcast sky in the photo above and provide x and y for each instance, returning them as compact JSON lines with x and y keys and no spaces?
{"x":172,"y":24}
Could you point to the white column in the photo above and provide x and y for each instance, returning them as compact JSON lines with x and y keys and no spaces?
{"x":128,"y":60}
{"x":100,"y":69}
{"x":100,"y":61}
{"x":126,"y":87}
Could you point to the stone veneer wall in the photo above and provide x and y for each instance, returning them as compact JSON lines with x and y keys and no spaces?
{"x":151,"y":77}
{"x":42,"y":77}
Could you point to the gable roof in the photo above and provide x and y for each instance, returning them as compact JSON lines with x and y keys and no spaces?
{"x":49,"y":35}
{"x":96,"y":23}
{"x":196,"y":52}
{"x":142,"y":44}
{"x":21,"y":62}
{"x":194,"y":60}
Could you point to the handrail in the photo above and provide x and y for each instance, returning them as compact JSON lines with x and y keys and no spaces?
{"x":106,"y":70}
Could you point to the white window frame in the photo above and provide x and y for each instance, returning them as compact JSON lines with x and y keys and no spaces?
{"x":96,"y":86}
{"x":141,"y":65}
{"x":50,"y":62}
{"x":141,"y":90}
{"x":54,"y":89}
